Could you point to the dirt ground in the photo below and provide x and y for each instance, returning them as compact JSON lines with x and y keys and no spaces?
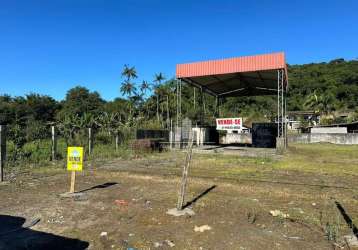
{"x":126,"y":202}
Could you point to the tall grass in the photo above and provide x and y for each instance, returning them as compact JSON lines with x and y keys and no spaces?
{"x":39,"y":151}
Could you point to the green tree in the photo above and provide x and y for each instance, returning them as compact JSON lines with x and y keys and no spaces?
{"x":41,"y":107}
{"x":79,"y":100}
{"x":144,"y":87}
{"x":128,"y":87}
{"x":158,"y":78}
{"x":313,"y":102}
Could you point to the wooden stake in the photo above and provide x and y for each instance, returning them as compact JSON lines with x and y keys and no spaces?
{"x":73,"y":179}
{"x":182,"y":190}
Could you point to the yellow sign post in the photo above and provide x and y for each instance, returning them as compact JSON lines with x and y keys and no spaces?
{"x":74,"y":163}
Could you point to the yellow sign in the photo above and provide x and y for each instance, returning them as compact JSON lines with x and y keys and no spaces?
{"x":74,"y":158}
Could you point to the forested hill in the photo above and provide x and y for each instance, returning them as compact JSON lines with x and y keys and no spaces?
{"x":335,"y":85}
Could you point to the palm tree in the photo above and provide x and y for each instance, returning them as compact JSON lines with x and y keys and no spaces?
{"x":327,"y":102}
{"x":144,"y":87}
{"x":129,"y":72}
{"x":320,"y":103}
{"x":158,"y":78}
{"x":128,"y":88}
{"x":312,"y":101}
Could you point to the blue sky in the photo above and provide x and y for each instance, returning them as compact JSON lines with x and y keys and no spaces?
{"x":48,"y":47}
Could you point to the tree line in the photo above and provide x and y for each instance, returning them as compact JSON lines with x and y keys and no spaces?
{"x":325,"y":88}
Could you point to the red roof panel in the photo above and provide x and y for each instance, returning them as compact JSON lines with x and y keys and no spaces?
{"x":232,"y":65}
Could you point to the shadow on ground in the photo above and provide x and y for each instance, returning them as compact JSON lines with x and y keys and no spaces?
{"x":104,"y":185}
{"x":347,"y":218}
{"x":14,"y":235}
{"x":190,"y":203}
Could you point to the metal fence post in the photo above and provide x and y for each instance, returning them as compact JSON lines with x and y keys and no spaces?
{"x":2,"y":151}
{"x":54,"y":143}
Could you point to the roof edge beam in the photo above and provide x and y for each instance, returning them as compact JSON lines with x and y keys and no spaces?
{"x":260,"y":88}
{"x":192,"y":82}
{"x":232,"y":91}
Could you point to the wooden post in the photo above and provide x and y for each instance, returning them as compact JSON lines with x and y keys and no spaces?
{"x":158,"y":107}
{"x":74,"y":163}
{"x":167,"y":112}
{"x":117,"y":141}
{"x":89,"y":141}
{"x":2,"y":151}
{"x":54,"y":143}
{"x":171,"y":134}
{"x":182,"y":190}
{"x":73,"y":179}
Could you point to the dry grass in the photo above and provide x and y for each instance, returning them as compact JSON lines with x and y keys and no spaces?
{"x":306,"y":174}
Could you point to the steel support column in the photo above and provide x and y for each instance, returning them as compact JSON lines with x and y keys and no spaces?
{"x":178,"y":132}
{"x":180,"y":93}
{"x":278,"y":103}
{"x":201,"y":107}
{"x":178,"y":101}
{"x":286,"y":118}
{"x":217,"y":112}
{"x":281,"y":107}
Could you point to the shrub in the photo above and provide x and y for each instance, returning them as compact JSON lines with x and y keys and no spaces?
{"x":103,"y":138}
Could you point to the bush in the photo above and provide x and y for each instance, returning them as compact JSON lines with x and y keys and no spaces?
{"x":37,"y":151}
{"x":36,"y":130}
{"x":103,"y":138}
{"x":33,"y":152}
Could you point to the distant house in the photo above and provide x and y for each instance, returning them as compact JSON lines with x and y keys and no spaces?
{"x":296,"y":118}
{"x":351,"y":127}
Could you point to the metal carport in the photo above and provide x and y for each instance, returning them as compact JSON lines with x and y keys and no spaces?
{"x":240,"y":76}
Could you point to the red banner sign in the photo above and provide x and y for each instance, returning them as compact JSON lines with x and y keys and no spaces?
{"x":229,"y":123}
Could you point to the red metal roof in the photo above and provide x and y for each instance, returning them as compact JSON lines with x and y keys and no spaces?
{"x":232,"y":65}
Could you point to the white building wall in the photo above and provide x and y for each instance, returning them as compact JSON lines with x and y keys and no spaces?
{"x":329,"y":130}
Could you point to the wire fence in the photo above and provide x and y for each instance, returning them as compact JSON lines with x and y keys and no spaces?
{"x":52,"y":146}
{"x":50,"y":142}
